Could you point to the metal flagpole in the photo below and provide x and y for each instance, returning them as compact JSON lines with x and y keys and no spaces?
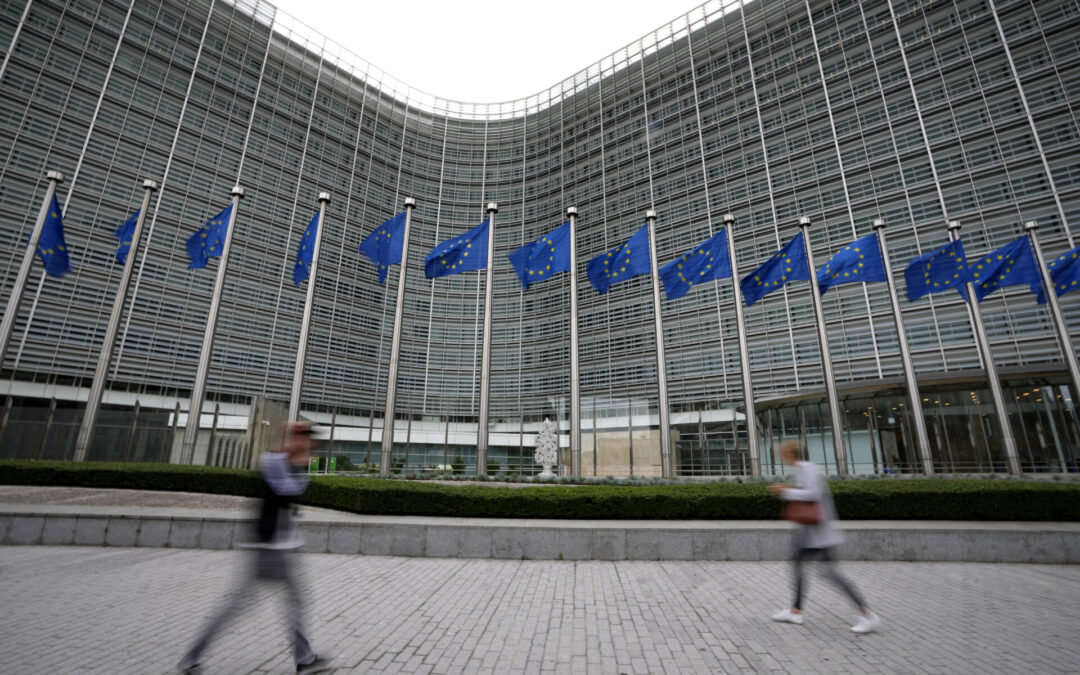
{"x":575,"y":361}
{"x":305,"y":324}
{"x":915,"y":399}
{"x":983,"y":345}
{"x":744,"y":352}
{"x":666,"y":467}
{"x":93,"y":402}
{"x":826,"y":357}
{"x":395,"y":348}
{"x":485,"y":364}
{"x":7,"y":325}
{"x":198,"y":390}
{"x":1067,"y":351}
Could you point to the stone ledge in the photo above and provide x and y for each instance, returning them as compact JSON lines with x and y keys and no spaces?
{"x":922,"y":541}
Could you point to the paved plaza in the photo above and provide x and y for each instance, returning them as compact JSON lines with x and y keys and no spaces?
{"x":125,"y":610}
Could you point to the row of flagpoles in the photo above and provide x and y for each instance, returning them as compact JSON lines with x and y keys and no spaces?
{"x":1018,"y":263}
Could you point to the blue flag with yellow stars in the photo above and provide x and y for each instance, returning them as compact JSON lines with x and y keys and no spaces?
{"x":708,"y":261}
{"x":383,"y":246}
{"x":306,"y":252}
{"x":460,"y":254}
{"x":860,"y":260}
{"x":1011,"y":265}
{"x":941,"y":270}
{"x":51,"y":246}
{"x":621,"y":262}
{"x":125,"y":233}
{"x":209,"y":240}
{"x":787,"y":264}
{"x":539,"y":260}
{"x":1064,"y":274}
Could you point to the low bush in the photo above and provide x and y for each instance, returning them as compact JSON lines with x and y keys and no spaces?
{"x":886,"y":499}
{"x":132,"y":476}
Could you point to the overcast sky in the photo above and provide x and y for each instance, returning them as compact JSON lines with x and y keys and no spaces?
{"x":483,"y":51}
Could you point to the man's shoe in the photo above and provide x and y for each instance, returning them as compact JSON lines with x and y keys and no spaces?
{"x":319,"y":665}
{"x":788,"y":616}
{"x":866,"y":624}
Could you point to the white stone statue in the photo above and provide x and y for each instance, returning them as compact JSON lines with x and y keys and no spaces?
{"x":547,"y":448}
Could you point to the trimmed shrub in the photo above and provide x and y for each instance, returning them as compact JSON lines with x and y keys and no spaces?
{"x":132,"y":476}
{"x":885,"y":499}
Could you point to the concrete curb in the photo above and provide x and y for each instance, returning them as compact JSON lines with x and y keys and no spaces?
{"x":924,"y":541}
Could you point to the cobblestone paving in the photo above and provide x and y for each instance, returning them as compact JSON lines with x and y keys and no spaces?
{"x":118,"y":610}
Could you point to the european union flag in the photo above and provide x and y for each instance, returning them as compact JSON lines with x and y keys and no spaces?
{"x":621,"y":262}
{"x":125,"y":233}
{"x":460,"y":254}
{"x":1064,"y":274}
{"x":51,"y":246}
{"x":539,"y":260}
{"x":383,"y":246}
{"x":937,"y":271}
{"x":787,"y":264}
{"x":209,"y":240}
{"x":708,"y":261}
{"x":306,"y":252}
{"x":1011,"y":265}
{"x":860,"y":260}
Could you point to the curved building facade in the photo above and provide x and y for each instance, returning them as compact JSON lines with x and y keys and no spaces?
{"x":836,"y":110}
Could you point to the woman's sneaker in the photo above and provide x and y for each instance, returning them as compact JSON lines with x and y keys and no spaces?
{"x":866,"y":624}
{"x":788,"y":616}
{"x":318,"y":665}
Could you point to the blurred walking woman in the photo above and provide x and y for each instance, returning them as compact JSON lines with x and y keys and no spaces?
{"x":810,"y":505}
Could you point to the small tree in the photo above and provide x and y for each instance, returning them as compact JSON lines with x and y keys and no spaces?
{"x":547,"y":448}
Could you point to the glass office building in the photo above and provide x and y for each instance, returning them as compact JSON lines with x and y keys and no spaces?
{"x":837,"y":110}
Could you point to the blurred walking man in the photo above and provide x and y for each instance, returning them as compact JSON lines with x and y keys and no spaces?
{"x":285,"y":475}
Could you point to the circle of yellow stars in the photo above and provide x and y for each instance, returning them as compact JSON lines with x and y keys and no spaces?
{"x":450,"y":249}
{"x":545,"y":241}
{"x":206,"y":232}
{"x":379,"y":234}
{"x":854,"y":271}
{"x":992,"y":282}
{"x":50,"y":251}
{"x":1067,"y":258}
{"x":704,"y":271}
{"x":608,"y":268}
{"x":783,"y":277}
{"x":930,"y":263}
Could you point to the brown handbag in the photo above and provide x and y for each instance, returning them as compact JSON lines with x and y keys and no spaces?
{"x":803,"y":513}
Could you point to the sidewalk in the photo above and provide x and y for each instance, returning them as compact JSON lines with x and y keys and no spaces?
{"x":136,"y":518}
{"x":129,"y":610}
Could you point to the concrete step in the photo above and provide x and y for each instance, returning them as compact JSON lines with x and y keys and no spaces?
{"x":327,"y":531}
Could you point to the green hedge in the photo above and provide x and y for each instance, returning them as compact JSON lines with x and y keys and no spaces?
{"x":884,"y":499}
{"x":692,"y":501}
{"x":132,"y":475}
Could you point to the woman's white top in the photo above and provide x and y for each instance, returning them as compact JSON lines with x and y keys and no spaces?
{"x":810,"y":486}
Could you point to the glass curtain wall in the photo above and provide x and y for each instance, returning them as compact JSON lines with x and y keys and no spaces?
{"x":837,"y":110}
{"x":878,"y":432}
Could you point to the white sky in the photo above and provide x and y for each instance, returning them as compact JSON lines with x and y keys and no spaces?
{"x":483,"y":51}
